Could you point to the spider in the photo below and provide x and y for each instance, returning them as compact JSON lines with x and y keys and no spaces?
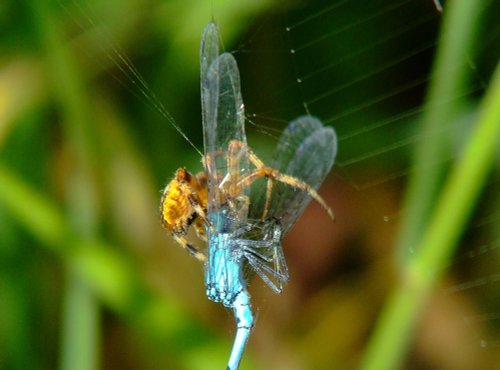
{"x":185,"y":199}
{"x":184,"y":202}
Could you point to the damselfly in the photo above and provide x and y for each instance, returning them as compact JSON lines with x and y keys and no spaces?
{"x":242,"y":229}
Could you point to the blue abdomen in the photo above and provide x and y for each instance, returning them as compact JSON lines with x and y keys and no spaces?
{"x":223,"y":276}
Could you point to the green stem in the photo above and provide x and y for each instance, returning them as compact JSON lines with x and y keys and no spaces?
{"x":80,"y":339}
{"x":392,"y":334}
{"x":393,"y":331}
{"x":80,"y":332}
{"x":449,"y":81}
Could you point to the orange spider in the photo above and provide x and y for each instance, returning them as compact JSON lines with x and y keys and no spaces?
{"x":185,"y":199}
{"x":184,"y":202}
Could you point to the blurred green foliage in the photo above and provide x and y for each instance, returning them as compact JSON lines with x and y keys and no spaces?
{"x":88,"y":279}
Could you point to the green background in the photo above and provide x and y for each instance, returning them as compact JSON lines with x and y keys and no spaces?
{"x":89,"y":279}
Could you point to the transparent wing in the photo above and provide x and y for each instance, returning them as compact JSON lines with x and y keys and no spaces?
{"x":209,"y":87}
{"x":223,"y":112}
{"x":261,"y":248}
{"x":306,"y":150}
{"x":224,"y":122}
{"x":230,"y":123}
{"x":209,"y":51}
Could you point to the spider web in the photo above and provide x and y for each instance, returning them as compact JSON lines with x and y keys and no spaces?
{"x":365,"y":67}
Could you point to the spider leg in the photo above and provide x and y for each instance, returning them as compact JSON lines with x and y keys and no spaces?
{"x":234,"y":195}
{"x":274,"y":175}
{"x":199,"y":226}
{"x":193,"y":251}
{"x":235,"y":151}
{"x":200,"y":212}
{"x":271,"y":173}
{"x":269,"y":191}
{"x":190,"y":186}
